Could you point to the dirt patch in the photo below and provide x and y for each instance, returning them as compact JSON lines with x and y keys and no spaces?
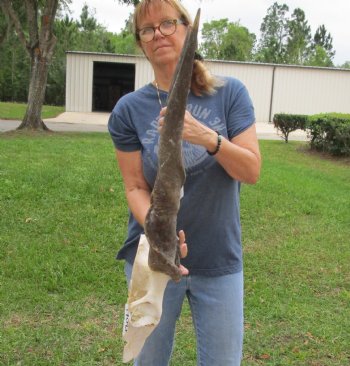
{"x":342,"y":160}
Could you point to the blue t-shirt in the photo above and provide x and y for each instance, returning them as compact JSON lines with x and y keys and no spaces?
{"x":209,"y":210}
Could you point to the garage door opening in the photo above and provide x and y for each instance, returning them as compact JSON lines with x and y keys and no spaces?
{"x":110,"y":82}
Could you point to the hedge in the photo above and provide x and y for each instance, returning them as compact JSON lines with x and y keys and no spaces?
{"x":287,"y":123}
{"x":329,"y":132}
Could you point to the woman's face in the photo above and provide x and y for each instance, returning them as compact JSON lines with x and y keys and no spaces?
{"x":162,"y":50}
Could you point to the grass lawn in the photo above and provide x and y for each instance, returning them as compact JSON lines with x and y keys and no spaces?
{"x":63,"y":216}
{"x":17,"y":111}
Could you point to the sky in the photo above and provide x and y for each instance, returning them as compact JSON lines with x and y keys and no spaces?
{"x":250,"y":13}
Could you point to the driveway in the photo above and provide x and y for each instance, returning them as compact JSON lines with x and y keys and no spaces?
{"x":97,"y":122}
{"x":8,"y":125}
{"x":68,"y":121}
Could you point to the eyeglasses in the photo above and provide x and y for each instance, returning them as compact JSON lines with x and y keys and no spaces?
{"x":166,"y":28}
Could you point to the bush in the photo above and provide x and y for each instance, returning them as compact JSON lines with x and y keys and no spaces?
{"x":330,"y":133}
{"x":287,"y":123}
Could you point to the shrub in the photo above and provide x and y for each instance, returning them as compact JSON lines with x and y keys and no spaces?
{"x":287,"y":123}
{"x":330,"y":133}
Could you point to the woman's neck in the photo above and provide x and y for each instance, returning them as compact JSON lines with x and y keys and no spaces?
{"x":162,"y":83}
{"x":164,"y":77}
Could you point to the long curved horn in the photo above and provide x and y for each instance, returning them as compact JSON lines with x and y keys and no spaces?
{"x":157,"y":255}
{"x":160,"y":224}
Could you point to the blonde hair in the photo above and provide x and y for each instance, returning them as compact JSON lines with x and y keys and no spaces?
{"x":203,"y":82}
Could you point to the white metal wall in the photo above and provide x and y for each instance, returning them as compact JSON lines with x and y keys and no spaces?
{"x":311,"y":90}
{"x":257,"y":79}
{"x":273,"y":88}
{"x":290,"y":89}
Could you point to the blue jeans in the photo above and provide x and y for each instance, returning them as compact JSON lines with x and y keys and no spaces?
{"x":217,"y":311}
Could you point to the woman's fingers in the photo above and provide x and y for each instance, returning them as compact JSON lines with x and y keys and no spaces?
{"x":161,"y":118}
{"x":183,"y":252}
{"x":182,"y":244}
{"x":162,"y":112}
{"x":184,"y":271}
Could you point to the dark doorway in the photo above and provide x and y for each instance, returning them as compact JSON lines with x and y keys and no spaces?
{"x":111,"y":81}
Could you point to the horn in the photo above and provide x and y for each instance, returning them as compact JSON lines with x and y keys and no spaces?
{"x":160,"y":224}
{"x":157,"y":257}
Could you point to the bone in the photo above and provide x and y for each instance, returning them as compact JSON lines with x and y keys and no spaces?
{"x":146,"y":292}
{"x":157,"y":259}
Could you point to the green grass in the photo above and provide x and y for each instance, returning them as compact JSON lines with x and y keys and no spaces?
{"x":17,"y":111}
{"x":63,"y":216}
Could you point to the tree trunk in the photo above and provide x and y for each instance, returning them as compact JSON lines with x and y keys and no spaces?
{"x":37,"y":87}
{"x":40,"y":46}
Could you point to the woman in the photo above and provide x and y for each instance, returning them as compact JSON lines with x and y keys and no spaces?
{"x":220,"y":151}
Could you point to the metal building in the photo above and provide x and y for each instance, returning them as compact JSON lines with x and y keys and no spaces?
{"x":95,"y":81}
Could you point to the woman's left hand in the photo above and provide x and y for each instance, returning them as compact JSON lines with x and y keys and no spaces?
{"x":194,"y":131}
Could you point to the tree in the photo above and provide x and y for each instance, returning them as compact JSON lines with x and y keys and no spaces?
{"x":87,"y":21}
{"x":324,"y":39}
{"x":4,"y":28}
{"x":321,"y":50}
{"x":39,"y":41}
{"x":319,"y":57}
{"x":124,"y":42}
{"x":289,"y":40}
{"x":67,"y":33}
{"x":212,"y":34}
{"x":226,"y":41}
{"x":299,"y":39}
{"x":239,"y":43}
{"x":14,"y":69}
{"x":129,"y":2}
{"x":346,"y":65}
{"x":274,"y":32}
{"x":92,"y":35}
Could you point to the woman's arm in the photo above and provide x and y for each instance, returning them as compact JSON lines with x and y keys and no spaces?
{"x":137,"y":191}
{"x":240,"y":157}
